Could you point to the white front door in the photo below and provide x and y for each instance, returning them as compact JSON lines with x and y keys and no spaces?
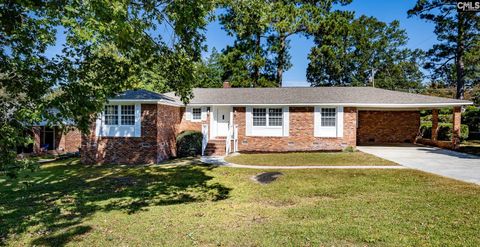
{"x":223,"y":120}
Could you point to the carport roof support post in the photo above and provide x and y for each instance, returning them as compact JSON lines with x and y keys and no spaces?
{"x":457,"y":119}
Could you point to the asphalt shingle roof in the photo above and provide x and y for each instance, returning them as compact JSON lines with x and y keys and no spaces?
{"x":313,"y":95}
{"x":142,"y":94}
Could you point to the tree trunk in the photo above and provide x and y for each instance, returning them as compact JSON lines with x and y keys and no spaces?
{"x":256,"y":68}
{"x":281,"y":59}
{"x":459,"y":64}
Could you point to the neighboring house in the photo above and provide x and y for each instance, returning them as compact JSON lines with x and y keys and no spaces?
{"x":49,"y":139}
{"x":139,"y":126}
{"x":54,"y":140}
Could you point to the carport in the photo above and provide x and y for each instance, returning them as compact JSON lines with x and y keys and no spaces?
{"x":401,"y":124}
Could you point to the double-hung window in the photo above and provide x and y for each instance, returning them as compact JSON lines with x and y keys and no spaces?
{"x":263,"y":117}
{"x":119,"y":115}
{"x":111,"y":115}
{"x":196,"y":113}
{"x":328,"y":117}
{"x":127,"y":115}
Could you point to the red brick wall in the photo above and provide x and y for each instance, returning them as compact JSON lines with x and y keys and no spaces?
{"x":71,"y":141}
{"x":387,"y":126}
{"x":168,"y":121}
{"x":300,"y":137}
{"x":126,"y":150}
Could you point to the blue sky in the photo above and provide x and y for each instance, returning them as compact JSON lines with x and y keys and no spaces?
{"x":420,"y":34}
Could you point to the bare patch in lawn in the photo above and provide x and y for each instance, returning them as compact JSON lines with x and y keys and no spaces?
{"x":266,"y":177}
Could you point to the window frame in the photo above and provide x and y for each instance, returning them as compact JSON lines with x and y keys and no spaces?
{"x":120,"y":114}
{"x":267,"y":118}
{"x":106,"y":115}
{"x":328,"y":117}
{"x":193,"y":119}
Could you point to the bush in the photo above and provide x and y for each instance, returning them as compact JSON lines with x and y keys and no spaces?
{"x":471,"y":117}
{"x":189,"y":143}
{"x":444,"y":131}
{"x":442,"y":118}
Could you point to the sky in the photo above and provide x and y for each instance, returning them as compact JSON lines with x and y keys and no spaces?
{"x":420,"y":34}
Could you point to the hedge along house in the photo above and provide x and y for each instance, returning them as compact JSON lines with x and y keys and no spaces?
{"x":141,"y":126}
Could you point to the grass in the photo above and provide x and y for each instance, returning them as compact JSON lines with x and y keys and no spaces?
{"x":192,"y":204}
{"x":470,"y":147}
{"x":311,"y":159}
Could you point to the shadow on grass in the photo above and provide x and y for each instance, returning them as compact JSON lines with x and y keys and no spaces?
{"x":60,"y":197}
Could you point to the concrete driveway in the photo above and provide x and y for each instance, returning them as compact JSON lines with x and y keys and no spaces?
{"x":460,"y":166}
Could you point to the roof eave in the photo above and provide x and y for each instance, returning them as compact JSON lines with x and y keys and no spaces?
{"x":377,"y":105}
{"x":144,"y":101}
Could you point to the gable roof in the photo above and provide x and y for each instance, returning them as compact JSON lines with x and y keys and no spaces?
{"x":347,"y":96}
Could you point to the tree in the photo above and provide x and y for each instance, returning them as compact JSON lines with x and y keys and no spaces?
{"x":210,"y":71}
{"x":459,"y":41}
{"x":292,"y":17}
{"x":350,"y":50}
{"x":248,"y":22}
{"x":110,"y":46}
{"x":262,"y":30}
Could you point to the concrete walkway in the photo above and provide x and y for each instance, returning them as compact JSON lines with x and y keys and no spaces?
{"x":221,"y":161}
{"x":460,"y":166}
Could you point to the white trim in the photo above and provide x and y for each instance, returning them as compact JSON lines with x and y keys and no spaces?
{"x":138,"y":120}
{"x":203,"y":115}
{"x":329,"y":131}
{"x":379,"y":105}
{"x":340,"y":121}
{"x":119,"y":130}
{"x":188,"y":113}
{"x":286,"y":121}
{"x":213,"y":125}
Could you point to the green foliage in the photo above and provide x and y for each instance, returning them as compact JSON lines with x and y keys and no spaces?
{"x":454,"y":59}
{"x":444,"y":131}
{"x":471,"y":117}
{"x":189,"y":143}
{"x":110,"y":46}
{"x":348,"y":50}
{"x":210,"y":71}
{"x":262,"y":30}
{"x":442,"y":118}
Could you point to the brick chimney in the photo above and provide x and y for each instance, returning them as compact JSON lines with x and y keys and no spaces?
{"x":226,"y":84}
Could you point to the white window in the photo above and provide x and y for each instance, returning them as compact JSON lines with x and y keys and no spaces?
{"x":267,"y":117}
{"x":328,"y":117}
{"x":123,"y":114}
{"x":127,"y":115}
{"x":196,"y":113}
{"x":275,"y":117}
{"x":111,"y":115}
{"x":259,"y":117}
{"x":328,"y":121}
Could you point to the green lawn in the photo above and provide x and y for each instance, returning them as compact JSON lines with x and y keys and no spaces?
{"x":311,"y":159}
{"x":70,"y":204}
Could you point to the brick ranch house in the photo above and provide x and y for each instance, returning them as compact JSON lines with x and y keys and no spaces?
{"x":140,"y":126}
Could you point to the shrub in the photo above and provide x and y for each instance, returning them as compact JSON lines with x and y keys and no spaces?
{"x":442,"y":118}
{"x":471,"y":117}
{"x":189,"y":143}
{"x":444,"y":131}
